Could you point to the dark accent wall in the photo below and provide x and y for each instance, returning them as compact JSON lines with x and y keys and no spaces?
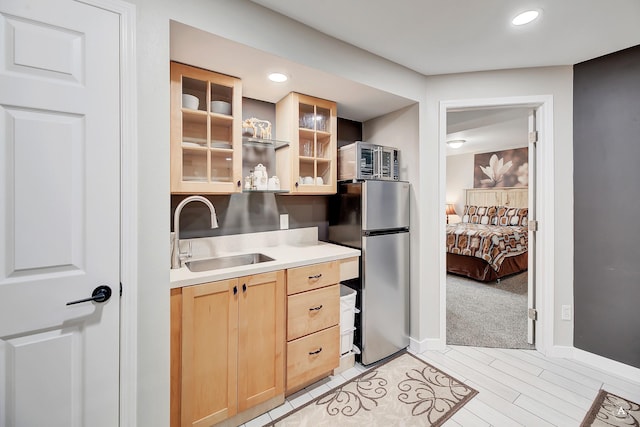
{"x":606,"y":146}
{"x":348,"y":131}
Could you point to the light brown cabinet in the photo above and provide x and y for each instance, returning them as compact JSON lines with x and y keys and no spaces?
{"x":308,"y":164}
{"x":206,"y":132}
{"x":227,"y":349}
{"x":313,"y":317}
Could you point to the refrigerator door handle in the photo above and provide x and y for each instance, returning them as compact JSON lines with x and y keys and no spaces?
{"x":377,"y":162}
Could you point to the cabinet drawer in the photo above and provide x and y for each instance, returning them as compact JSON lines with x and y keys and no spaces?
{"x":312,"y":356}
{"x":314,"y":276}
{"x":312,"y":311}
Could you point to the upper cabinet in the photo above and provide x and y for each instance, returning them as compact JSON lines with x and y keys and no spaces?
{"x":206,"y":131}
{"x":308,"y":164}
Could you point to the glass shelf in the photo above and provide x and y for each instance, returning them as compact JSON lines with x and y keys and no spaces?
{"x":264,"y":143}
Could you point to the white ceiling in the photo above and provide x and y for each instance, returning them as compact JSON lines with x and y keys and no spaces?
{"x":488,"y":129}
{"x":355,"y":101}
{"x":430,"y":37}
{"x":454,"y":36}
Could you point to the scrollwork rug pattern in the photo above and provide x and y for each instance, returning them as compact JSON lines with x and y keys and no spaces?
{"x":611,"y":410}
{"x":404,"y":391}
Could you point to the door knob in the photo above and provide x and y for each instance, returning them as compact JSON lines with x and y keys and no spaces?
{"x":99,"y":294}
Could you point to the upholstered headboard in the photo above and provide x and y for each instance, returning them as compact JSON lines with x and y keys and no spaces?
{"x":513,"y":197}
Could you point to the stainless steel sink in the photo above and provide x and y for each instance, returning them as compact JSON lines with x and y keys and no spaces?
{"x":226,"y":262}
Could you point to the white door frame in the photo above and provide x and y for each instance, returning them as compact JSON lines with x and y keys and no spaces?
{"x":129,"y":211}
{"x":545,"y":285}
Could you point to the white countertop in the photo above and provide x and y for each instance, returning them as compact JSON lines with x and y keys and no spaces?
{"x":288,"y":248}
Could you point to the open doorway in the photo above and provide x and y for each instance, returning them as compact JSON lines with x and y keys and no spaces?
{"x":489,"y":192}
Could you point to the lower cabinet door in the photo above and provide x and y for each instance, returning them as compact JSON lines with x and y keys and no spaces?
{"x":312,"y":356}
{"x":261,"y":338}
{"x":228,"y":343}
{"x":209,"y":353}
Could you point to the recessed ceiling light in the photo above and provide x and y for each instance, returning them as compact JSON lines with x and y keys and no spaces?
{"x":456,"y":143}
{"x":525,"y":17}
{"x":278,"y":77}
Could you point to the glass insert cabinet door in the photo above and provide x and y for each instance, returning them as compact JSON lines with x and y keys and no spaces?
{"x":206,"y":129}
{"x":311,"y":126}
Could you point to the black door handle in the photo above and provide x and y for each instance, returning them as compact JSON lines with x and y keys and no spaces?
{"x":99,"y":294}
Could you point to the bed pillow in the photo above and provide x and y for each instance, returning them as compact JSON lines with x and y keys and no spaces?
{"x":478,"y":214}
{"x":511,"y":216}
{"x":467,"y":212}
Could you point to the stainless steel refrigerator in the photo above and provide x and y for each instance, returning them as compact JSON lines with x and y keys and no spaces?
{"x":373,"y":216}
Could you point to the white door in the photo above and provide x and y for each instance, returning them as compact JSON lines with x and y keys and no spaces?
{"x":531,"y":277}
{"x":59,"y":213}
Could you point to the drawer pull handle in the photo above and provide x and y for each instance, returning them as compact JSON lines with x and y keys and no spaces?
{"x":317,"y":276}
{"x":315,"y":352}
{"x":316,"y":308}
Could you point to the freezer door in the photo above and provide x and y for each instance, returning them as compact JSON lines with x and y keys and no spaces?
{"x":345,"y":215}
{"x":384,"y":295}
{"x":385,"y":205}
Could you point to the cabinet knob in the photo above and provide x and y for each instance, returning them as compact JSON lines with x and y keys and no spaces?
{"x":316,"y":277}
{"x":297,"y":184}
{"x":239,"y":184}
{"x":235,"y":290}
{"x":244,"y":287}
{"x":316,"y":308}
{"x":311,"y":353}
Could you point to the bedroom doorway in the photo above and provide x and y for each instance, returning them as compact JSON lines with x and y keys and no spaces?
{"x":489,"y":303}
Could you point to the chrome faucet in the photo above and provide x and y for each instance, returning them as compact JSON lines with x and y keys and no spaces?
{"x":176,"y":255}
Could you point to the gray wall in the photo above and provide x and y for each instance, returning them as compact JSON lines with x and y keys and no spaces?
{"x":607,"y":205}
{"x":251,"y":213}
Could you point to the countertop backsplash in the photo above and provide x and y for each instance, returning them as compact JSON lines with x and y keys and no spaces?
{"x":251,"y":213}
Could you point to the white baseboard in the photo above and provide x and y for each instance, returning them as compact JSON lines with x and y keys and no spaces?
{"x":426,"y":344}
{"x":599,"y":362}
{"x":560,"y":351}
{"x":612,"y":366}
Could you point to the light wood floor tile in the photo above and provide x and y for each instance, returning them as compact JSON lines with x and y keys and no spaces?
{"x":470,"y":374}
{"x":490,"y":414}
{"x":536,"y":358}
{"x":519,"y":415}
{"x":584,"y":391}
{"x":465,"y":417}
{"x":513,"y":360}
{"x":516,"y":387}
{"x":549,"y":388}
{"x":475,"y":353}
{"x":553,"y":416}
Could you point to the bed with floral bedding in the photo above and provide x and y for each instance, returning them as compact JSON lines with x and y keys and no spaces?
{"x":491,"y":242}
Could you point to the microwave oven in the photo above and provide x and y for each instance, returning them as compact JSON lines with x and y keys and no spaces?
{"x":362,"y":160}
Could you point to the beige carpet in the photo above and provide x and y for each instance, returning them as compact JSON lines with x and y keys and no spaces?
{"x":611,"y":410}
{"x":404,"y":391}
{"x":487,"y":314}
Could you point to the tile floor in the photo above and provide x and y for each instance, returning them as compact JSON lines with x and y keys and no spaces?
{"x":516,"y":387}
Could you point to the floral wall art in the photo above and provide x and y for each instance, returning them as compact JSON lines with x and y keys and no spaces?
{"x":507,"y":168}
